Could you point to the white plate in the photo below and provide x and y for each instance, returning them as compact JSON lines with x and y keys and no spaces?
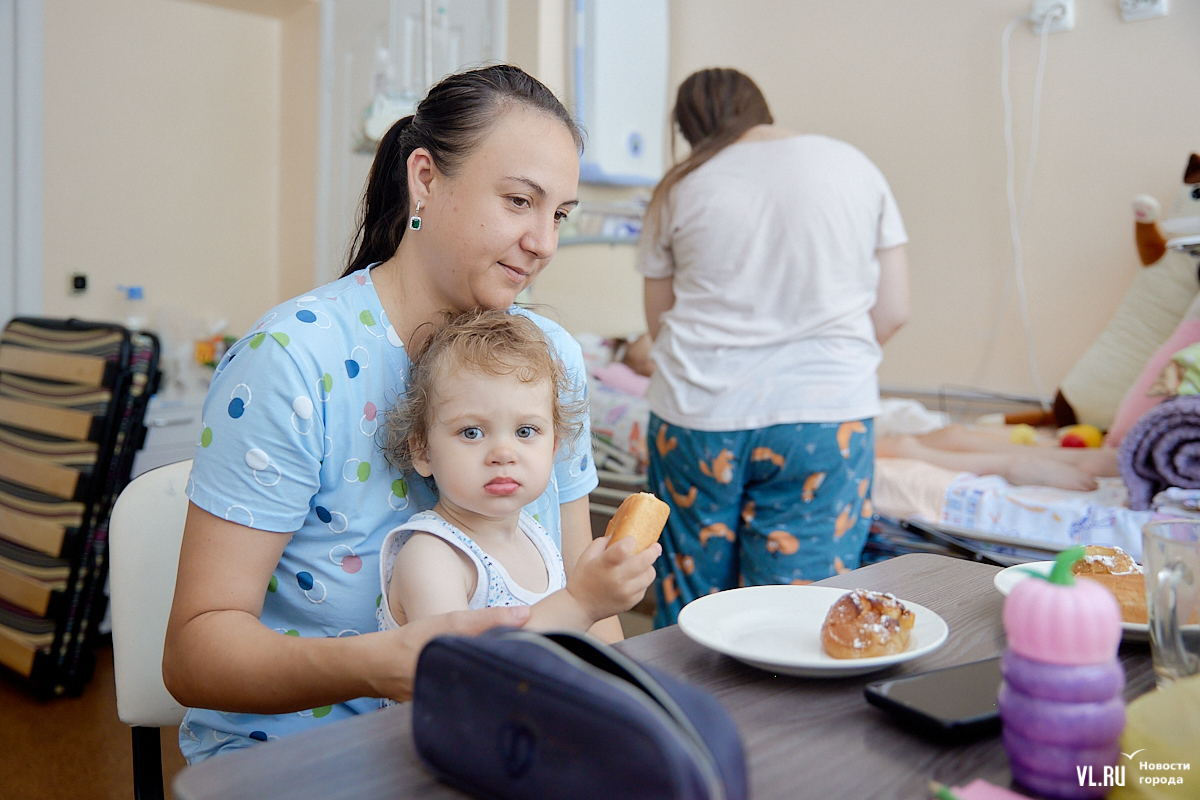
{"x":1006,"y":579}
{"x":778,"y":628}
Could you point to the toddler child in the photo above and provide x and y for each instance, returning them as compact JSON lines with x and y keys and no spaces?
{"x":482,"y":417}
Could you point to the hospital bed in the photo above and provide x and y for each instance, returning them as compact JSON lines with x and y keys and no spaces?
{"x":981,"y":518}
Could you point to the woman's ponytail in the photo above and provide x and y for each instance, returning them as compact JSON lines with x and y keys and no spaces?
{"x":385,"y":202}
{"x":450,"y":122}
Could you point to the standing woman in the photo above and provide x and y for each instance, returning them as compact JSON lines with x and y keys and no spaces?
{"x":775,"y":269}
{"x":273,"y":622}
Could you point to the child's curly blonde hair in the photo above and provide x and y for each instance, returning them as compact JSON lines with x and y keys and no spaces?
{"x":488,"y":341}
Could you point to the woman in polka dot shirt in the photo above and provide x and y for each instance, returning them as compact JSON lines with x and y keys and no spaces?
{"x":273,"y":625}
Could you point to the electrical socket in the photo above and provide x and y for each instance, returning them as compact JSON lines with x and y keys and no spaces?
{"x":1133,"y":10}
{"x":1059,"y":21}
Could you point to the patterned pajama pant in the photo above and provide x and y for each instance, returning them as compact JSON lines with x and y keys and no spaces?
{"x":784,"y":504}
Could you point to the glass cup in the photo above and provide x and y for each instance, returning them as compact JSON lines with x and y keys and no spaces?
{"x":1171,"y":561}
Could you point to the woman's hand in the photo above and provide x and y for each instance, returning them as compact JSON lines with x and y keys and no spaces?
{"x":404,"y":644}
{"x":637,"y":355}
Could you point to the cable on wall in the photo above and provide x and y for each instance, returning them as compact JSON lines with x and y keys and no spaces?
{"x":1016,"y":216}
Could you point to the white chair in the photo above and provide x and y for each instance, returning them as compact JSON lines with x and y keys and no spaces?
{"x":144,"y":538}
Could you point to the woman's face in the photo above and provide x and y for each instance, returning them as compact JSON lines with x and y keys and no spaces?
{"x":488,"y":231}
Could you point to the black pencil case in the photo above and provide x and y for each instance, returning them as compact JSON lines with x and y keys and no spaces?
{"x":516,"y":715}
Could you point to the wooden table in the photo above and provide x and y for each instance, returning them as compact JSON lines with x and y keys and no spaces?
{"x":803,"y":737}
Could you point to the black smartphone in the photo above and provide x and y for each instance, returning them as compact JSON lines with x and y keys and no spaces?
{"x":954,"y":703}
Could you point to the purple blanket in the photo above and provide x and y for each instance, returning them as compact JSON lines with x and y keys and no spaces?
{"x":1161,"y":450}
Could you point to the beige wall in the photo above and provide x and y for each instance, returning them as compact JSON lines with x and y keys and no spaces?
{"x":179,"y":152}
{"x":593,"y":287}
{"x":168,"y":162}
{"x":916,"y":86}
{"x":590,"y":287}
{"x":300,"y":74}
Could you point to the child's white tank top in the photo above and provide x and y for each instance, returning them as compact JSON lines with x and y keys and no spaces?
{"x":493,"y":585}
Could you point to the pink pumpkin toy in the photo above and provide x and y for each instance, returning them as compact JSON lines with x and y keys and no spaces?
{"x":1062,"y":702}
{"x":1059,"y":620}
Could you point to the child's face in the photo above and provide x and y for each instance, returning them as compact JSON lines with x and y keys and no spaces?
{"x":491,"y":443}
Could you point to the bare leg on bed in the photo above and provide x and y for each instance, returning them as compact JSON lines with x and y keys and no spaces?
{"x":1018,"y":468}
{"x":1099,"y":462}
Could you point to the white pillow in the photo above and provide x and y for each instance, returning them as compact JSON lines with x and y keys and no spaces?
{"x":1149,"y":313}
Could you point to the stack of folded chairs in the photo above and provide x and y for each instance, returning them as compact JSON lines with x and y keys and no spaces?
{"x":72,"y":401}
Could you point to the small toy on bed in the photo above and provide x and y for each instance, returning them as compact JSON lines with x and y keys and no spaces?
{"x":1151,"y":243}
{"x":1022,"y":433}
{"x":1181,"y":375}
{"x":1080,"y":436}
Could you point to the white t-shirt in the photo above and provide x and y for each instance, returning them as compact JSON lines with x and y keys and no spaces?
{"x":771,"y":246}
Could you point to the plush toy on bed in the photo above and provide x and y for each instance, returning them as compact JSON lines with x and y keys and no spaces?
{"x":1152,"y":307}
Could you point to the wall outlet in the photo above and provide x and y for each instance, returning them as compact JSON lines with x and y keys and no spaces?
{"x":1133,"y":10}
{"x":1059,"y":13}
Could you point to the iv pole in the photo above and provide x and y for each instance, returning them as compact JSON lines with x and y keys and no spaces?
{"x":427,"y":35}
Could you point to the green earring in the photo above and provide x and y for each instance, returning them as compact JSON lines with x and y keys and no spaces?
{"x":414,"y":222}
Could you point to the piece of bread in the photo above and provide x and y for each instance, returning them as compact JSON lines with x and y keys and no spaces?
{"x":641,"y":516}
{"x":1130,"y":590}
{"x":1101,"y":560}
{"x":865,"y":624}
{"x":1113,"y":568}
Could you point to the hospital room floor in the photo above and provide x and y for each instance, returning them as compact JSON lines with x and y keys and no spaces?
{"x":72,"y":746}
{"x":638,"y":621}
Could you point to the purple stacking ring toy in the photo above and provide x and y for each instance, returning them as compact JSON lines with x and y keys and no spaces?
{"x":1062,"y":701}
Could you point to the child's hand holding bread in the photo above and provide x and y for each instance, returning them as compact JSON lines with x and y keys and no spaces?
{"x":613,"y":572}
